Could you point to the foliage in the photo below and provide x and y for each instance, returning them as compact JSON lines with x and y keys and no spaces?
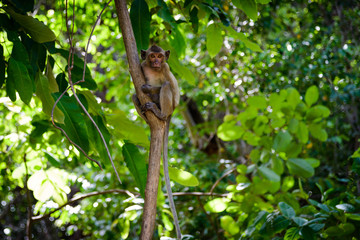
{"x":273,"y":155}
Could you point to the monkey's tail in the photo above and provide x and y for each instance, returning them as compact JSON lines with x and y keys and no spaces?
{"x":167,"y":179}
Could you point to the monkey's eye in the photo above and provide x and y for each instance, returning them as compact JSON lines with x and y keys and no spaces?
{"x":152,"y":56}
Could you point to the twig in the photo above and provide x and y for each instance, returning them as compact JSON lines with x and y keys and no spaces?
{"x":81,"y":197}
{"x":222,"y":177}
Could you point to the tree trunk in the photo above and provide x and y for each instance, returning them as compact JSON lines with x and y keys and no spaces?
{"x":157,"y":127}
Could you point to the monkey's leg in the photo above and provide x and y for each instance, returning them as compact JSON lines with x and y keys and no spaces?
{"x":137,"y":105}
{"x":166,"y":100}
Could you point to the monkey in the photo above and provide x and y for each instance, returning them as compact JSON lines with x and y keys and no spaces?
{"x":162,"y":88}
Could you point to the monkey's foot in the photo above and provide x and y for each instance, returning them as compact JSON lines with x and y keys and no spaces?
{"x":150,"y":106}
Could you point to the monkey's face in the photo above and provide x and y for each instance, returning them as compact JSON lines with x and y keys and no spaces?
{"x":156,"y":60}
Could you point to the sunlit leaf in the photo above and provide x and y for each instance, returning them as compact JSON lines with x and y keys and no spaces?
{"x":248,"y":6}
{"x":123,"y":128}
{"x":229,"y":225}
{"x":214,"y":39}
{"x":269,"y":174}
{"x":44,"y":93}
{"x":300,"y":167}
{"x":217,"y":205}
{"x":229,"y":132}
{"x":136,"y":163}
{"x":38,"y":31}
{"x":311,"y":95}
{"x":292,"y":234}
{"x":282,"y":141}
{"x":183,"y":177}
{"x":19,"y":76}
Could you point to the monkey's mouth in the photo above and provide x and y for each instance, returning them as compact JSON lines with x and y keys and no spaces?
{"x":156,"y":65}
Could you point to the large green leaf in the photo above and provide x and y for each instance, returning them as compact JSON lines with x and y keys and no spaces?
{"x":241,"y":36}
{"x":123,"y":128}
{"x":317,"y":112}
{"x":2,"y":66}
{"x":43,"y":92}
{"x":318,"y":132}
{"x":228,"y":131}
{"x":269,"y":174}
{"x":136,"y":163}
{"x":282,"y":141}
{"x":183,"y":177}
{"x":229,"y":225}
{"x":18,"y":74}
{"x":311,"y":95}
{"x":77,"y":71}
{"x":292,"y":234}
{"x":302,"y":132}
{"x":214,"y":39}
{"x":217,"y":205}
{"x":286,"y":210}
{"x":140,"y":21}
{"x":75,"y":125}
{"x":248,"y":6}
{"x":300,"y":167}
{"x":38,"y":31}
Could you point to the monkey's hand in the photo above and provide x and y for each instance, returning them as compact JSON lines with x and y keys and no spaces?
{"x":150,"y":106}
{"x":147,"y":88}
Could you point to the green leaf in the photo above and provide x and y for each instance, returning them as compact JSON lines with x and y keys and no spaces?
{"x":293,"y":97}
{"x":292,"y":234}
{"x":39,"y":184}
{"x":311,"y":95}
{"x":241,"y":36}
{"x":214,"y":39}
{"x":217,"y":205}
{"x":194,"y":18}
{"x":269,"y":174}
{"x":123,"y":128}
{"x":229,"y":225}
{"x":43,"y":92}
{"x":286,"y":210}
{"x":263,"y":1}
{"x":300,"y":167}
{"x":75,"y":125}
{"x":38,"y":31}
{"x":18,"y":74}
{"x":282,"y":141}
{"x":182,"y":177}
{"x":2,"y":66}
{"x":300,"y":221}
{"x":353,"y":216}
{"x":307,"y":233}
{"x":318,"y":132}
{"x":181,"y":70}
{"x":140,"y":21}
{"x":317,"y":112}
{"x":61,"y":82}
{"x":167,"y":223}
{"x":346,"y":207}
{"x":248,"y":6}
{"x":136,"y":163}
{"x":77,"y":71}
{"x":288,"y":183}
{"x":313,"y":162}
{"x":302,"y":133}
{"x":258,"y":102}
{"x":280,"y":223}
{"x":228,"y":131}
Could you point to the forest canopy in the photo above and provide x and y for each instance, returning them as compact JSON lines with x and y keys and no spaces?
{"x":264,"y":144}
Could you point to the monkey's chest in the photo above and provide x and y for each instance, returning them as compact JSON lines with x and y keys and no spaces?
{"x":154,"y":78}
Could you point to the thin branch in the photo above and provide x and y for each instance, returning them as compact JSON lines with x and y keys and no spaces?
{"x":222,"y":177}
{"x":81,"y":197}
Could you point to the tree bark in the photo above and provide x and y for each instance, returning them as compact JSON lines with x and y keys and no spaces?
{"x":157,"y":127}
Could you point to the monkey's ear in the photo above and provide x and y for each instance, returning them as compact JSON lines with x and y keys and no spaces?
{"x":167,"y":54}
{"x":143,"y":54}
